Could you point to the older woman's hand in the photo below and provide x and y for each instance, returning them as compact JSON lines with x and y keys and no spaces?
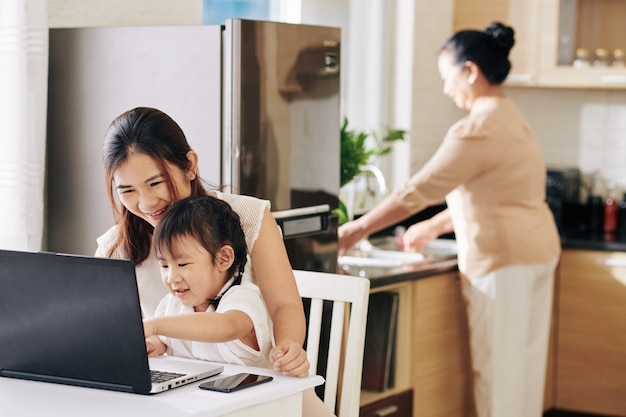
{"x":418,"y":236}
{"x":348,"y":235}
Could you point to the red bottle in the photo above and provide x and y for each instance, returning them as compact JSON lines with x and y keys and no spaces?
{"x":611,"y":207}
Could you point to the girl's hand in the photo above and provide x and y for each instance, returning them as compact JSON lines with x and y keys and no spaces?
{"x":155,"y":347}
{"x":290,"y":359}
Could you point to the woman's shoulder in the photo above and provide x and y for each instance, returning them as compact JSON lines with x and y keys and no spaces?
{"x":486,"y":116}
{"x":467,"y":128}
{"x":243,"y":203}
{"x":107,"y":239}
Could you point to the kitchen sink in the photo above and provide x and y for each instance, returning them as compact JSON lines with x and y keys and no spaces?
{"x":386,"y":252}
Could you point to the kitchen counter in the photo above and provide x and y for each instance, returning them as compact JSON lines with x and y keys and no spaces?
{"x":583,"y":239}
{"x":378,"y":262}
{"x":576,"y":233}
{"x":386,"y":275}
{"x":382,"y":276}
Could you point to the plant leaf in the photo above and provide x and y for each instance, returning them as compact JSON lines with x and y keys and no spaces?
{"x":355,"y":154}
{"x":342,"y":213}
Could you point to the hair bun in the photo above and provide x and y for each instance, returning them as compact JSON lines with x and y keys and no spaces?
{"x":502,"y":35}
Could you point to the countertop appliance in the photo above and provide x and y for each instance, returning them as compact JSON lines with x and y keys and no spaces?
{"x":563,"y":194}
{"x":259,"y":102}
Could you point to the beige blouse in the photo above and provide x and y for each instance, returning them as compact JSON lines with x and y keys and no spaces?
{"x":490,"y":172}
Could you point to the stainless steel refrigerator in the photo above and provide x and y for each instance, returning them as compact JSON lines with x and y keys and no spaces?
{"x":259,"y":101}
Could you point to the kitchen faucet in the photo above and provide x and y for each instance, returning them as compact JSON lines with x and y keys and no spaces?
{"x":380,"y":179}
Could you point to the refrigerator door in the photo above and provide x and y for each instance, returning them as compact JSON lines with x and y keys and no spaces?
{"x":95,"y":75}
{"x":282,"y":112}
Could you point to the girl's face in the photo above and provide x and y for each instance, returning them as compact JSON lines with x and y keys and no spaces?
{"x":456,"y":78}
{"x":191,"y":274}
{"x":143,"y":189}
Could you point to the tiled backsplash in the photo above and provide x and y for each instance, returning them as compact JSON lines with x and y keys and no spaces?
{"x":582,"y":128}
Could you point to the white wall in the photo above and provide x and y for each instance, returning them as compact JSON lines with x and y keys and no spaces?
{"x":432,"y":112}
{"x":577,"y":127}
{"x":86,"y":13}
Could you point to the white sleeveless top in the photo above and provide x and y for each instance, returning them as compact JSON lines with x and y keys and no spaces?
{"x":151,"y":288}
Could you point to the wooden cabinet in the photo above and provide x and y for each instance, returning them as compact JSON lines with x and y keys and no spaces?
{"x":591,"y":336}
{"x":571,"y":24}
{"x":432,"y":356}
{"x":547,"y":33}
{"x":440,"y":361}
{"x":522,"y":15}
{"x":549,"y":389}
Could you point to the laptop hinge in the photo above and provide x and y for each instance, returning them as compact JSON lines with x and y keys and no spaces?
{"x":66,"y":381}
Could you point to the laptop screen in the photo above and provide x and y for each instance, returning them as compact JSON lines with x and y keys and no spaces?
{"x":71,"y":319}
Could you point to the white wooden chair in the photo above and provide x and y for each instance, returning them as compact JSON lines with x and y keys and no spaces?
{"x":342,"y":290}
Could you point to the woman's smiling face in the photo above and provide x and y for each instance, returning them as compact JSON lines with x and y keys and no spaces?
{"x":143,"y":188}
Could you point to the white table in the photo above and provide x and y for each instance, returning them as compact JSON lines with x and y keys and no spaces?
{"x":281,"y":397}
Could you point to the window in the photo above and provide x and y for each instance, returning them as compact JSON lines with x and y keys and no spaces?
{"x":215,"y":12}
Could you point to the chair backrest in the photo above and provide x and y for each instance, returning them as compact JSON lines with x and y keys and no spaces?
{"x":341,"y":290}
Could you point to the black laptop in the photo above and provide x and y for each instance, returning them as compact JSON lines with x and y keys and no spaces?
{"x":76,"y":320}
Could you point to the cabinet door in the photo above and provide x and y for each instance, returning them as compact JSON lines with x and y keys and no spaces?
{"x":591,"y":345}
{"x":440,"y":368}
{"x":522,"y":16}
{"x":570,"y":24}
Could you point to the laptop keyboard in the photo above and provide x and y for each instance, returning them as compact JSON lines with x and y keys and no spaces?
{"x":162,"y":376}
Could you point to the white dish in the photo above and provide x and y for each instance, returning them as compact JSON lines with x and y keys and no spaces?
{"x":382,"y":259}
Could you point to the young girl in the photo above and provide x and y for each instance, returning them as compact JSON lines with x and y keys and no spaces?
{"x":209,"y":312}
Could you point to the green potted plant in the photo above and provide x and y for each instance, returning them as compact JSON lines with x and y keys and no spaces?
{"x":356,"y":153}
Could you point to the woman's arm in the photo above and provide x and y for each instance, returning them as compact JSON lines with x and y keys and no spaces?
{"x":387,"y":213}
{"x":274,"y":276}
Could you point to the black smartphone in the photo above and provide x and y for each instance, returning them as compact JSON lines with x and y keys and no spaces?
{"x":235,"y":382}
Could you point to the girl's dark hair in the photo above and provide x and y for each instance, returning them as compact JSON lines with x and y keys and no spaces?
{"x":488,"y":49}
{"x":209,"y":221}
{"x":151,"y":132}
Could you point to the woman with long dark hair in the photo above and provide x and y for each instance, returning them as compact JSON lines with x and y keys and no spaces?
{"x":149,"y":166}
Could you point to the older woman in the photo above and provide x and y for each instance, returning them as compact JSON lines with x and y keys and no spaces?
{"x":491,"y":174}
